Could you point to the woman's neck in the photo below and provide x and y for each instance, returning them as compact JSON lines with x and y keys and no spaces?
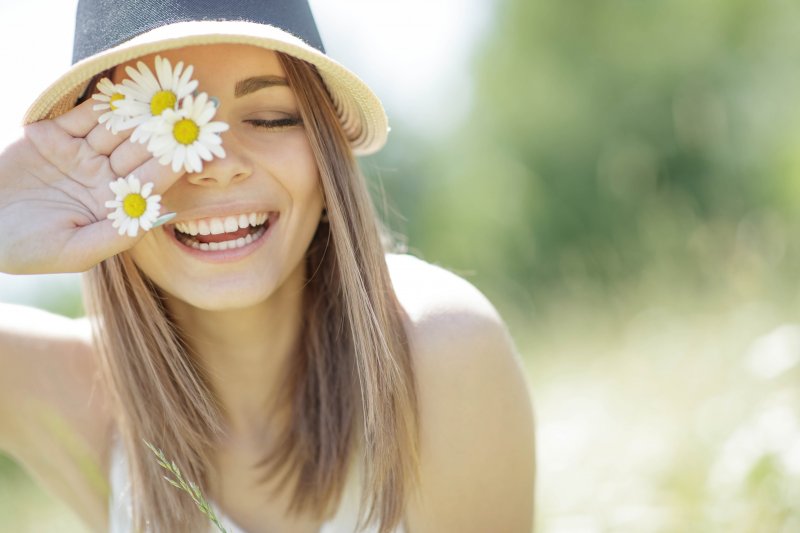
{"x":246,"y":354}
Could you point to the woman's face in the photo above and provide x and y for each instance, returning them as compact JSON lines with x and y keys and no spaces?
{"x":269,"y":172}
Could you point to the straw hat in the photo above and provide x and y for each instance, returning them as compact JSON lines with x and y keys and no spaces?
{"x":110,"y":32}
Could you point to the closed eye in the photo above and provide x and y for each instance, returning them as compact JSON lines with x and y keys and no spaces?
{"x":275,"y":124}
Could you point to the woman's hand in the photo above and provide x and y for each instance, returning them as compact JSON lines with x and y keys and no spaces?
{"x":54,"y":183}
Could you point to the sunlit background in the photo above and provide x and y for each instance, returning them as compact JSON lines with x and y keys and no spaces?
{"x":622,"y":179}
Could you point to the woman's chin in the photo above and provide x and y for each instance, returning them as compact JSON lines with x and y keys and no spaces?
{"x":210,"y":298}
{"x":277,"y":284}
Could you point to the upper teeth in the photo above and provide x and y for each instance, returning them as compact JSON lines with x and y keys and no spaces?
{"x":215,"y":226}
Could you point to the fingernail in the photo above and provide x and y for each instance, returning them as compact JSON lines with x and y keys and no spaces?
{"x":163,"y":219}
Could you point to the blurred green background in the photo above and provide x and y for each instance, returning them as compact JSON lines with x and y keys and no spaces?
{"x":622,"y":179}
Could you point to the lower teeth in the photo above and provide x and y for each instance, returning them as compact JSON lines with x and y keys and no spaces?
{"x":224,"y":245}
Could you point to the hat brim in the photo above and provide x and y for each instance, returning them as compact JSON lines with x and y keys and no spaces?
{"x":360,"y":111}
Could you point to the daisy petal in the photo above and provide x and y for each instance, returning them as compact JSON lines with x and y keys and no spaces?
{"x":178,"y":158}
{"x":217,"y":150}
{"x":206,"y":115}
{"x":123,"y":225}
{"x":203,"y":151}
{"x":216,"y":127}
{"x":119,"y":187}
{"x":193,"y":160}
{"x":189,"y":88}
{"x":134,"y":184}
{"x":164,"y":72}
{"x":133,"y":227}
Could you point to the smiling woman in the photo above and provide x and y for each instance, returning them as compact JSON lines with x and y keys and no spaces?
{"x":258,"y":333}
{"x":269,"y":175}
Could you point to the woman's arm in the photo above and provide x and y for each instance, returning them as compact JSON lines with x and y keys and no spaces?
{"x":53,"y":413}
{"x":477,"y":437}
{"x":54,"y":183}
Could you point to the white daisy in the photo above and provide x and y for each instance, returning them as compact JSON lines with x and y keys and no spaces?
{"x":186,"y":137}
{"x":110,"y":96}
{"x":148,"y":95}
{"x":134,"y":206}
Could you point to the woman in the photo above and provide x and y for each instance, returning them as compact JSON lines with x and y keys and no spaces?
{"x":261,"y":338}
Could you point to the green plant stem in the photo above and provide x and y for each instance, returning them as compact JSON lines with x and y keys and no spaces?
{"x":190,"y":488}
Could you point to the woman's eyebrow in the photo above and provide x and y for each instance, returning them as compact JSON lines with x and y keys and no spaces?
{"x":250,"y":85}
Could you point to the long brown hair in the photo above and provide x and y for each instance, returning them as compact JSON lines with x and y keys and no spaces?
{"x":352,"y":384}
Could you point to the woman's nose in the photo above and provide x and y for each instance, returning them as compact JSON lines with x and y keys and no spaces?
{"x":223,"y":171}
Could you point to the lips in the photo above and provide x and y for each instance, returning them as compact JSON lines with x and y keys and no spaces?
{"x":230,"y":232}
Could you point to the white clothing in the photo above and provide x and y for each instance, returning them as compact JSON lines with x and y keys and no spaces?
{"x":120,"y":512}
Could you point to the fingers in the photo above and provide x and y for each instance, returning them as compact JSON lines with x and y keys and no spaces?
{"x":124,"y":156}
{"x":82,"y":121}
{"x":163,"y":177}
{"x":96,"y":242}
{"x":61,"y":151}
{"x":127,"y":157}
{"x":103,"y":141}
{"x":79,"y":120}
{"x":133,"y":158}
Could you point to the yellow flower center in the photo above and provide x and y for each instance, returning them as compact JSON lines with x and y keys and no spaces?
{"x":115,"y":98}
{"x":134,"y":205}
{"x":186,"y":131}
{"x":162,"y":100}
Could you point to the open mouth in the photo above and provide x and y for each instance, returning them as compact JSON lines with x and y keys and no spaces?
{"x":224,"y":233}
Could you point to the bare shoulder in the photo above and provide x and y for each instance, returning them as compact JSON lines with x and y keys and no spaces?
{"x":53,"y":410}
{"x":431,"y":293}
{"x":449,"y":321}
{"x":477,"y":441}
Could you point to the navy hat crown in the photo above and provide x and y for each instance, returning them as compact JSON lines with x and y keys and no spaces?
{"x":103,"y":24}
